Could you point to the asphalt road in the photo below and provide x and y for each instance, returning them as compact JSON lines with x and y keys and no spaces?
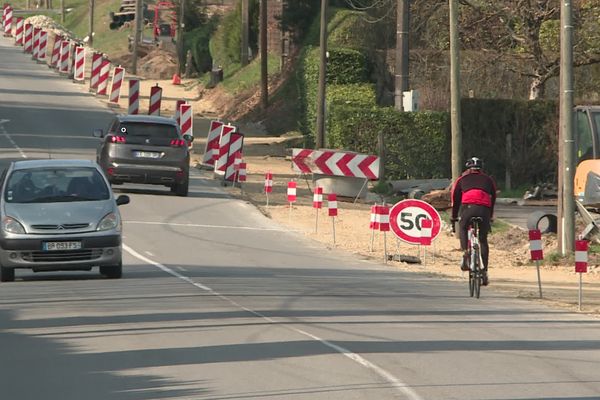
{"x":218,"y":302}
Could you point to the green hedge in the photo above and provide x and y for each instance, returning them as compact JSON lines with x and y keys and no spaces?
{"x":417,"y":144}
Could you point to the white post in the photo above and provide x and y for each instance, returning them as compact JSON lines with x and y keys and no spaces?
{"x":537,"y":265}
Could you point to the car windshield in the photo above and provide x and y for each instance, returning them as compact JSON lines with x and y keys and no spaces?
{"x":51,"y":185}
{"x":148,"y":130}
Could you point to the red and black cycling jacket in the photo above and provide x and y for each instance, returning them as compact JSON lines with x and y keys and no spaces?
{"x":473,"y":187}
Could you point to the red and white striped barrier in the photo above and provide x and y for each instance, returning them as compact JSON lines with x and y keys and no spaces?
{"x":212,"y":143}
{"x":291,"y":192}
{"x":155,"y":99}
{"x":177,"y":115}
{"x":19,"y":31}
{"x":79,"y":72}
{"x":225,"y":138}
{"x":8,"y":17}
{"x":426,"y":231}
{"x":236,"y":143}
{"x":43,"y":43}
{"x":64,"y":57}
{"x":332,"y":206}
{"x":103,"y":80}
{"x":95,"y":71}
{"x":318,"y":197}
{"x":186,"y":121}
{"x":241,"y":177}
{"x":134,"y":96}
{"x":55,"y":57}
{"x":535,"y":245}
{"x":373,"y":220}
{"x":337,"y":163}
{"x":382,"y":219}
{"x":115,"y":87}
{"x":268,"y":182}
{"x":36,"y":43}
{"x":28,"y":38}
{"x":581,"y":256}
{"x":238,"y":161}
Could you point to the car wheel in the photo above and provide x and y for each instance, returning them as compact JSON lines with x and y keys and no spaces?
{"x":112,"y":271}
{"x":181,"y":189}
{"x":7,"y":274}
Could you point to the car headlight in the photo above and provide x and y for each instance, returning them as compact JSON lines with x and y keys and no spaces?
{"x":110,"y":221}
{"x":11,"y":225}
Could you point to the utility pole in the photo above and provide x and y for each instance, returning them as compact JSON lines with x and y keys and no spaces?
{"x":91,"y":25}
{"x":180,"y":26}
{"x":402,"y":53}
{"x":320,"y":138}
{"x":264,"y":73}
{"x":455,"y":120}
{"x":136,"y":35}
{"x":245,"y":31}
{"x":566,"y":127}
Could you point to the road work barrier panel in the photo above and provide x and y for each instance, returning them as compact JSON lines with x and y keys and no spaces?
{"x":8,"y":17}
{"x":28,"y":38}
{"x":336,"y":163}
{"x":212,"y":143}
{"x":186,"y":120}
{"x":19,"y":32}
{"x":103,"y":80}
{"x":55,"y":57}
{"x":223,"y":151}
{"x":134,"y":96}
{"x":64,"y":57}
{"x":332,"y":211}
{"x":95,"y":71}
{"x":177,"y":116}
{"x":236,"y":145}
{"x":79,"y":72}
{"x":115,"y":87}
{"x":155,"y":100}
{"x":42,"y":44}
{"x":36,"y":43}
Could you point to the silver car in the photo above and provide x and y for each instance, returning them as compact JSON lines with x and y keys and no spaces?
{"x":59,"y":215}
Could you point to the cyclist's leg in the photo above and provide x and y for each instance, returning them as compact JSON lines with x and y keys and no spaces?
{"x":465,"y":217}
{"x":484,"y":229}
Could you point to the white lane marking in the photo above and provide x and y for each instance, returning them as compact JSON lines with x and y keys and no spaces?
{"x":248,"y":228}
{"x":389,"y":377}
{"x":10,"y":139}
{"x":55,"y":136}
{"x":150,"y":254}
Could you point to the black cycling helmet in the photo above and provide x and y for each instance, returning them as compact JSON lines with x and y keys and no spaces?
{"x":474,"y":163}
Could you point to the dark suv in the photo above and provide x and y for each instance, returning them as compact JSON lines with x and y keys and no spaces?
{"x":145,"y":149}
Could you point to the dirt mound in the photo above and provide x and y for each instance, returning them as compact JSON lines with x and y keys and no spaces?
{"x":158,"y":64}
{"x":48,"y":24}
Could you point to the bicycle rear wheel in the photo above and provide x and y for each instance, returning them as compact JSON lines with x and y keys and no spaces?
{"x":477,"y":275}
{"x":472,"y":279}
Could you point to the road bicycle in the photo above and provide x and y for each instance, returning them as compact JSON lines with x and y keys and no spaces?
{"x":476,"y":268}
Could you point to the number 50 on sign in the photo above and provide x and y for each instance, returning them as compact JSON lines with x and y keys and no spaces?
{"x":406,"y":221}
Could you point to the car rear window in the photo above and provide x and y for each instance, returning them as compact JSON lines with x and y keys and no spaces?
{"x":50,"y":185}
{"x":148,"y":130}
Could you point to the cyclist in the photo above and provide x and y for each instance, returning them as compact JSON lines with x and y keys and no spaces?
{"x":474,"y":195}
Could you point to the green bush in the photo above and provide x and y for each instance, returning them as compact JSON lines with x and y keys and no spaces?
{"x":417,"y":144}
{"x":197,"y":41}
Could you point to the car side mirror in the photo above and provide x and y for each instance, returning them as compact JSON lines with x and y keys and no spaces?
{"x":122,"y":199}
{"x":188,"y":138}
{"x":98,"y":133}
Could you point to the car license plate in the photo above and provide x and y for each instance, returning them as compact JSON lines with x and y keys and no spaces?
{"x":54,"y":246}
{"x":146,"y":154}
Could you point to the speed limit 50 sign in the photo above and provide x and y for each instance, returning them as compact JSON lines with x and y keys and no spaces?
{"x":406,"y":221}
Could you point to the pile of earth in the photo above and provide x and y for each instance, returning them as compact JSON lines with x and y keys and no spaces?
{"x":48,"y":24}
{"x":158,"y":64}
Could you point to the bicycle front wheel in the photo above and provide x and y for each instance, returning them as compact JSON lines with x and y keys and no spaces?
{"x":472,"y":279}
